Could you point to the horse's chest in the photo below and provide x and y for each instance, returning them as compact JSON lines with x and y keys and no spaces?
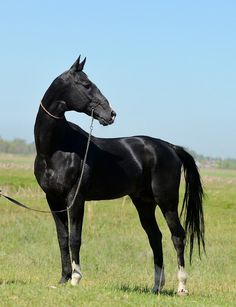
{"x":55,"y":179}
{"x":55,"y":175}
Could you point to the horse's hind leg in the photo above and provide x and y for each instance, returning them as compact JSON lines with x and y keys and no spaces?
{"x":61,"y":221}
{"x":165,"y":189}
{"x":178,"y":238}
{"x":146,"y":211}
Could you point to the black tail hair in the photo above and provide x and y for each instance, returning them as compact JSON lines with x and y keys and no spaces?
{"x":192,"y":203}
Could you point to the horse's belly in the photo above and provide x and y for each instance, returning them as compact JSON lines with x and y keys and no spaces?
{"x":112,"y":187}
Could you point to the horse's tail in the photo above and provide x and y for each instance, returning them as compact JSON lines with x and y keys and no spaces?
{"x":192,"y":203}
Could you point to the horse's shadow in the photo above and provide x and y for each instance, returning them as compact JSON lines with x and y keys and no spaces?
{"x":145,"y":290}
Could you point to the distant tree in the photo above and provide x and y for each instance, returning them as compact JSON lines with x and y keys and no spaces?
{"x":17,"y":146}
{"x":227,"y":163}
{"x":207,"y":161}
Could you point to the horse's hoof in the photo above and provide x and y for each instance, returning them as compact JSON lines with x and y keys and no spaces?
{"x":157,"y":288}
{"x":156,"y":291}
{"x":182,"y":292}
{"x":64,"y":280}
{"x":76,"y":277}
{"x":76,"y":274}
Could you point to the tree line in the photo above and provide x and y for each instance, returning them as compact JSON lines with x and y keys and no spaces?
{"x":211,"y":162}
{"x":16,"y":146}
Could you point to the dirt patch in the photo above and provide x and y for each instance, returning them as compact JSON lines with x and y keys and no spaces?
{"x":18,"y":166}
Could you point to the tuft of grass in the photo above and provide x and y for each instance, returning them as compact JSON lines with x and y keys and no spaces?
{"x":117,"y":262}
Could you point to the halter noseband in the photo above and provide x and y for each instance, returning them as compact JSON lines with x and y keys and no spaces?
{"x":51,"y":115}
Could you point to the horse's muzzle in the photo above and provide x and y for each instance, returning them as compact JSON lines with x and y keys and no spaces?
{"x":108,"y":120}
{"x":113,"y":116}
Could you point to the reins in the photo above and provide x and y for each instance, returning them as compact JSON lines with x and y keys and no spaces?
{"x":17,"y":203}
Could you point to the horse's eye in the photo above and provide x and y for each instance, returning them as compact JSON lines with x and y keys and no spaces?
{"x":86,"y":85}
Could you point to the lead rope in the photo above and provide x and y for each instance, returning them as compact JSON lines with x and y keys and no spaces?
{"x":16,"y":202}
{"x":84,"y":162}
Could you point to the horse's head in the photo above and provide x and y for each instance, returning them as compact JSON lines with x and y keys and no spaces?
{"x":81,"y":95}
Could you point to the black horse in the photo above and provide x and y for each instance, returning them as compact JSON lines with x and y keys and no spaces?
{"x":145,"y":168}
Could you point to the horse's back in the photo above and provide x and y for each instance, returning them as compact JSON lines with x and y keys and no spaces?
{"x":128,"y":165}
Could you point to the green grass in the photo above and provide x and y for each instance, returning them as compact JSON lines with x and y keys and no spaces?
{"x":117,"y":262}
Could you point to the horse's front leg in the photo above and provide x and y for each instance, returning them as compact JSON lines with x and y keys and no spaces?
{"x":61,"y":221}
{"x":76,"y":215}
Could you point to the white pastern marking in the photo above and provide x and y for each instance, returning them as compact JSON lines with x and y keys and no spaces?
{"x":182,"y":278}
{"x":159,"y":278}
{"x":76,"y":274}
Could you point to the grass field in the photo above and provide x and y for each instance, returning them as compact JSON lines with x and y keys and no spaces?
{"x":116,"y":258}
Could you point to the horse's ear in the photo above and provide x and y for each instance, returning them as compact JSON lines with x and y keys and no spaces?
{"x":81,"y":65}
{"x":77,"y":66}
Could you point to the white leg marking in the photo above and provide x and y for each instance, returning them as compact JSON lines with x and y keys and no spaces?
{"x":76,"y":274}
{"x":159,"y":278}
{"x":182,"y":277}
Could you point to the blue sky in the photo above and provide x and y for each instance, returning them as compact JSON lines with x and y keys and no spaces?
{"x":167,"y":67}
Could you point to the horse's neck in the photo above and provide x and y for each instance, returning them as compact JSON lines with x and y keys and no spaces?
{"x":48,"y":131}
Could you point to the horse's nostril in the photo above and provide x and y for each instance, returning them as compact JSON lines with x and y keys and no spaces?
{"x":113,"y":113}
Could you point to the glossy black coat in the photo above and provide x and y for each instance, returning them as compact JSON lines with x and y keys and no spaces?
{"x":145,"y":168}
